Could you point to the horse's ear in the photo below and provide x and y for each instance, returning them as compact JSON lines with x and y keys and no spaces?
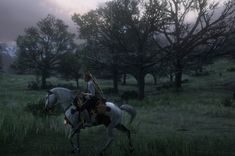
{"x":49,"y":92}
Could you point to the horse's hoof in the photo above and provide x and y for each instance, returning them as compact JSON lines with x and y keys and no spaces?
{"x":100,"y":153}
{"x":131,"y":149}
{"x":73,"y":151}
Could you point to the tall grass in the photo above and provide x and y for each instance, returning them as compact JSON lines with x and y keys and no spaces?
{"x":193,"y":122}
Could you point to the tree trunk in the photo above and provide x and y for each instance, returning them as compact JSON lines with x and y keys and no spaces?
{"x":124,"y":79}
{"x":77,"y":82}
{"x":178,"y":79}
{"x":43,"y":80}
{"x":155,"y":79}
{"x":178,"y":76}
{"x":141,"y":85}
{"x":200,"y":69}
{"x":115,"y":80}
{"x":171,"y":78}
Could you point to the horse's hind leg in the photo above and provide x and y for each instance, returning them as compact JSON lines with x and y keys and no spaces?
{"x":122,"y":128}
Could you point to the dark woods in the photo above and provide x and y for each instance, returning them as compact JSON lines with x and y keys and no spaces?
{"x":161,"y":38}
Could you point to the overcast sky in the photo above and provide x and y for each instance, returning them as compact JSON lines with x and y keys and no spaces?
{"x":16,"y":15}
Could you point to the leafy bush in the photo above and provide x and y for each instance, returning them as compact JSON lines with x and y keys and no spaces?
{"x":165,"y":86}
{"x":127,"y":95}
{"x":204,"y":73}
{"x":109,"y":91}
{"x":37,"y":109}
{"x":33,"y":85}
{"x":231,"y":69}
{"x":185,"y":80}
{"x":227,"y":102}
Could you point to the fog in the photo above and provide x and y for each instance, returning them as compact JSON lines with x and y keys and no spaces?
{"x":16,"y":15}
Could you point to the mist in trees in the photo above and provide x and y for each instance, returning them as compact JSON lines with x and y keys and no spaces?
{"x":134,"y":37}
{"x":191,"y":43}
{"x":124,"y":32}
{"x":140,"y":37}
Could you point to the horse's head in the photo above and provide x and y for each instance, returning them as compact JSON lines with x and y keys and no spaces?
{"x":50,"y":101}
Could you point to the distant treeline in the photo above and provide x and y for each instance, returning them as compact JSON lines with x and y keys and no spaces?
{"x":163,"y":38}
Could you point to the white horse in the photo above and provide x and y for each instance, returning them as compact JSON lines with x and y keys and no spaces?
{"x":76,"y":119}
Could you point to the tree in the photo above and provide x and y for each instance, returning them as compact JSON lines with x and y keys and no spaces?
{"x":96,"y":29}
{"x":70,"y":66}
{"x":197,"y":39}
{"x":124,"y":28}
{"x":229,"y":46}
{"x":39,"y":50}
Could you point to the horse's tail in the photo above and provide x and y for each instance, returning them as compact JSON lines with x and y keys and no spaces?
{"x":130,"y":110}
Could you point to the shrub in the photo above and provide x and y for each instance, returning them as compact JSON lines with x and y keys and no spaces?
{"x":227,"y":102}
{"x":127,"y":95}
{"x":33,"y":85}
{"x":204,"y":73}
{"x":231,"y":69}
{"x":37,"y":108}
{"x":185,"y":80}
{"x":109,"y":91}
{"x":165,"y":86}
{"x":49,"y":85}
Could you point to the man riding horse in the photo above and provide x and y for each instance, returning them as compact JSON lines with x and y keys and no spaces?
{"x":93,"y":102}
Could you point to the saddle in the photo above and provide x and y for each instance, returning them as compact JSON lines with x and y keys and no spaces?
{"x":95,"y":107}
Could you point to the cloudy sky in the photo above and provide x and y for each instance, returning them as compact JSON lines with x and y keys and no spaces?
{"x":16,"y":15}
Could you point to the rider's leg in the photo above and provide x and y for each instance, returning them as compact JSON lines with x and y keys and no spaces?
{"x":87,"y":118}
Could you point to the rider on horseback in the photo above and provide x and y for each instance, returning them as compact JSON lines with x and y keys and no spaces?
{"x":93,"y":101}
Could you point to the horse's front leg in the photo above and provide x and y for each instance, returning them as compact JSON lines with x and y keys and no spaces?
{"x":75,"y":146}
{"x":108,"y":141}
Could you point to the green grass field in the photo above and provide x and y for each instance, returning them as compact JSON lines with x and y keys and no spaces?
{"x":198,"y":121}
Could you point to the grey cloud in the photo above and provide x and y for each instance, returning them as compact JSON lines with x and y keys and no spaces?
{"x":16,"y":15}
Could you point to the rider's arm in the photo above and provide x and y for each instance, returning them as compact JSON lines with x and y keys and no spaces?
{"x":91,"y":90}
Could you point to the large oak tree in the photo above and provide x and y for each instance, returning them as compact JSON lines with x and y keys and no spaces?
{"x":123,"y":31}
{"x":192,"y":41}
{"x":40,"y":48}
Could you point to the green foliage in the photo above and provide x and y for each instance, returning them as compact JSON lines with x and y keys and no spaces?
{"x":40,"y":48}
{"x":33,"y":85}
{"x":70,"y":66}
{"x":226,"y":102}
{"x":37,"y":109}
{"x":231,"y":69}
{"x":127,"y":95}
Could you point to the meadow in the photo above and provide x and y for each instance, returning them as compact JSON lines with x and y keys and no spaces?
{"x":197,"y":121}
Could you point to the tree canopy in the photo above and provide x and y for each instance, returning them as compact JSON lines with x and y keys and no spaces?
{"x":40,"y":48}
{"x":139,"y":37}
